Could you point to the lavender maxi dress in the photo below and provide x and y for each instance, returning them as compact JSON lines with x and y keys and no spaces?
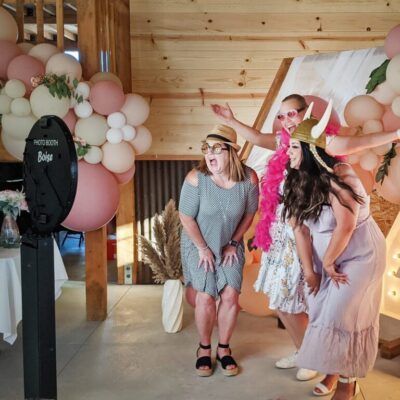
{"x":342,"y":335}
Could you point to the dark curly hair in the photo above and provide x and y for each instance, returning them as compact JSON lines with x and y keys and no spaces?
{"x":308,"y":188}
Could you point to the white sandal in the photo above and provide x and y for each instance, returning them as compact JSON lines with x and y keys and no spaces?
{"x":323,"y":390}
{"x":357,"y":390}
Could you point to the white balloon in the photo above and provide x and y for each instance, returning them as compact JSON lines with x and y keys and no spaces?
{"x":72,"y":102}
{"x":15,"y":88}
{"x":43,"y":103}
{"x":61,"y":64}
{"x":116,"y":120}
{"x":383,"y":93}
{"x":43,"y":52}
{"x":94,"y":155}
{"x":25,"y":47}
{"x":382,"y":150}
{"x":5,"y":104}
{"x":83,"y":89}
{"x":114,"y":135}
{"x":13,"y":146}
{"x":129,"y":132}
{"x":136,"y":109}
{"x":92,"y":129}
{"x":21,"y":107}
{"x":17,"y":127}
{"x":369,"y":161}
{"x":142,"y":141}
{"x":396,"y":106}
{"x":83,"y":109}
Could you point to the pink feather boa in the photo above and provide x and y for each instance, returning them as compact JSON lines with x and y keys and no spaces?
{"x":270,"y":193}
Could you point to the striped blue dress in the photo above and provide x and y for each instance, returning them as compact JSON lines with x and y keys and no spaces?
{"x":218,"y":212}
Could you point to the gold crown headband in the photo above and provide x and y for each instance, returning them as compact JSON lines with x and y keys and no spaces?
{"x":312,"y":131}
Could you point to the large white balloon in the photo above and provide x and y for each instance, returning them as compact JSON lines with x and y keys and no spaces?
{"x":61,"y":64}
{"x":92,"y":129}
{"x":383,"y":149}
{"x":83,"y":109}
{"x":43,"y":52}
{"x":383,"y":93}
{"x":15,"y":88}
{"x":21,"y":107}
{"x":396,"y":106}
{"x":8,"y":26}
{"x":372,"y":126}
{"x":17,"y":127}
{"x":118,"y":157}
{"x":142,"y":141}
{"x":43,"y":103}
{"x":136,"y":109}
{"x":13,"y":146}
{"x":5,"y":104}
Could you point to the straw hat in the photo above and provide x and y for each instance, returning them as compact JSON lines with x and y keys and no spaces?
{"x":223,"y":134}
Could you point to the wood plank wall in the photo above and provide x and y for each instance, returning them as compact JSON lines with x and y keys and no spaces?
{"x":187,"y":54}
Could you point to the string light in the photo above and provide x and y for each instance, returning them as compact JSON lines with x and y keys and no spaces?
{"x":392,"y":293}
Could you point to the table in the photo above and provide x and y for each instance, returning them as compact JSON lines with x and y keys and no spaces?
{"x":11,"y":292}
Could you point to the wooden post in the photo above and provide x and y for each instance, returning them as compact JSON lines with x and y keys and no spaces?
{"x":39,"y":21}
{"x":120,"y":64}
{"x":96,"y":241}
{"x":269,"y":99}
{"x":20,"y":13}
{"x":60,"y":23}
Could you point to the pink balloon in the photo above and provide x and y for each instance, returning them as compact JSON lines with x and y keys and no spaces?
{"x":317,"y":112}
{"x":125,"y":177}
{"x":106,"y":97}
{"x":70,"y":119}
{"x":25,"y":67}
{"x":392,"y":42}
{"x":96,"y":200}
{"x":190,"y":295}
{"x":391,"y":122}
{"x":8,"y":51}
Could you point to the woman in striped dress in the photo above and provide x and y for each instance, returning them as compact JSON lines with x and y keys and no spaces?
{"x":217,"y":204}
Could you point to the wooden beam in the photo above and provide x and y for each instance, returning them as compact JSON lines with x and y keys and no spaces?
{"x":39,"y":21}
{"x":20,"y":13}
{"x":269,"y":99}
{"x":120,"y":64}
{"x":96,"y":241}
{"x":96,"y":275}
{"x":60,"y":23}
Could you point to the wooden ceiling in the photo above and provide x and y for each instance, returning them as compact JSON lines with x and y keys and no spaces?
{"x":49,"y":14}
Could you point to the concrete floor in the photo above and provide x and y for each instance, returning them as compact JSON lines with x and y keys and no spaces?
{"x":128,"y":356}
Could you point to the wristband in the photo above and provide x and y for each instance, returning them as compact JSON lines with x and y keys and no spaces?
{"x":233,"y":243}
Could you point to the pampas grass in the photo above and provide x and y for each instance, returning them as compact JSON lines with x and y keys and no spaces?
{"x":163,"y":254}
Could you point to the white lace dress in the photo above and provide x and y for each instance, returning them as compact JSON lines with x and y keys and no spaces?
{"x":281,"y":276}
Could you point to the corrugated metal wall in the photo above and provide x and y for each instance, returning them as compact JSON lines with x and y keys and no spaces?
{"x":155,"y":183}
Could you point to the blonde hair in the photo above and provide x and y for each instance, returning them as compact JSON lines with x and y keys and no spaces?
{"x":236,"y":167}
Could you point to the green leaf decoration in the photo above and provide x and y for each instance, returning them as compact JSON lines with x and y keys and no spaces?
{"x":377,"y":76}
{"x":383,"y":170}
{"x":75,"y":83}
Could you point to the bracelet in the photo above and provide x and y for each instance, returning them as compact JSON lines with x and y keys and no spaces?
{"x":202,"y":248}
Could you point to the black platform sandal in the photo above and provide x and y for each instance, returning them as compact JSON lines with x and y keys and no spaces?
{"x":204,"y":361}
{"x":227,"y":360}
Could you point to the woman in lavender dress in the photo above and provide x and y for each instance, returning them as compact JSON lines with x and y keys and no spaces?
{"x":329,"y":210}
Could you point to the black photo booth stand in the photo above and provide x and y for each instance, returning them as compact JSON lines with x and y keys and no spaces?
{"x":50,"y":180}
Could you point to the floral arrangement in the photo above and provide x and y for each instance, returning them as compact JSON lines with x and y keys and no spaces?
{"x":163,"y":253}
{"x":12,"y":202}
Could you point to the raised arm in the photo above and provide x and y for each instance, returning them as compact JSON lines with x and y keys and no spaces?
{"x":345,"y":145}
{"x":225,"y":115}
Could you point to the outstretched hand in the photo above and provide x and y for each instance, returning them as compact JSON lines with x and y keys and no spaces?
{"x":224,"y":113}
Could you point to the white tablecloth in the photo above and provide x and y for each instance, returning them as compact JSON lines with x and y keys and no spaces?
{"x":11,"y":293}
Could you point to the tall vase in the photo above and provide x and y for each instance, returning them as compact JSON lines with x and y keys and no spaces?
{"x":172,"y":306}
{"x":9,"y":234}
